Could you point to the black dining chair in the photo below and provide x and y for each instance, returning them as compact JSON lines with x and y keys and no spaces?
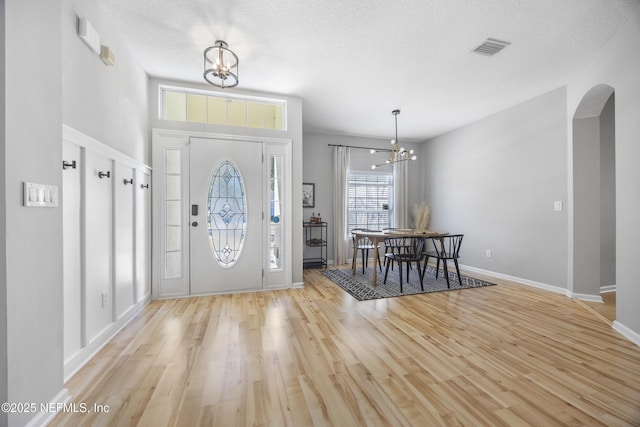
{"x":446,"y":248}
{"x":365,"y":245}
{"x":395,"y":245}
{"x":414,"y":254}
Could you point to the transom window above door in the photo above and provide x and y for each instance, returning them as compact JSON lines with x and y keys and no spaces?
{"x":199,"y":106}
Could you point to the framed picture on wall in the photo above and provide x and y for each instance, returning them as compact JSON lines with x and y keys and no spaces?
{"x":308,"y":195}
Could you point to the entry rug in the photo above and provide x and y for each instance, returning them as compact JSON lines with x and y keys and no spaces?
{"x":361,"y":286}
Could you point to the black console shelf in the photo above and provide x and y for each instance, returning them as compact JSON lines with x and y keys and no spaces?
{"x":315,"y":236}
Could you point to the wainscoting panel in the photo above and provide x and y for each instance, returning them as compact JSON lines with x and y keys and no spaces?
{"x":98,"y":233}
{"x":124,"y":235}
{"x":107,"y":244}
{"x":72,"y":249}
{"x":142,"y":241}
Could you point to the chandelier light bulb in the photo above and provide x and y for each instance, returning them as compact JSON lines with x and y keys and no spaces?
{"x":398,"y":154}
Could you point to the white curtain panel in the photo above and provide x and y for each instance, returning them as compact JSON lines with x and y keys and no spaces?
{"x":400,"y":196}
{"x":340,"y":177}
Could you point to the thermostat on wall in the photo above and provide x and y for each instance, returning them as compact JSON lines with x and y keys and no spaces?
{"x":40,"y":195}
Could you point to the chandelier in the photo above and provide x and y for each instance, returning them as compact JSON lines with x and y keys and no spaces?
{"x":398,"y":154}
{"x":221,"y":65}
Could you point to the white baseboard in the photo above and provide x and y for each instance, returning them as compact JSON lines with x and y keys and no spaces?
{"x":585,"y":297}
{"x":74,"y":363}
{"x":605,"y":289}
{"x":297,"y":285}
{"x":56,"y":405}
{"x":534,"y":284}
{"x":629,"y":334}
{"x":539,"y":285}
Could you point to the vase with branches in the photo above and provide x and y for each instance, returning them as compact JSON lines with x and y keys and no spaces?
{"x":421,"y":216}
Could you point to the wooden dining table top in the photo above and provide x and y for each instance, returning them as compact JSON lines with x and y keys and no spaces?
{"x":401,"y":232}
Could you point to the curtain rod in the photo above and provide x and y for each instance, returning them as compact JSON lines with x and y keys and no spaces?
{"x":361,"y":148}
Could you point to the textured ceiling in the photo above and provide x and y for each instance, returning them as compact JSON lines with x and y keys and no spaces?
{"x":353,"y":62}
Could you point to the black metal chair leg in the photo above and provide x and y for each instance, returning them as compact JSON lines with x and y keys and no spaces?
{"x":400,"y":274}
{"x":424,"y":270}
{"x":386,"y":272}
{"x":446,"y":273}
{"x":408,"y":266}
{"x":455,"y":260}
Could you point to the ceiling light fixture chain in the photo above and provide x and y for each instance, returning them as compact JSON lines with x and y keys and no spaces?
{"x":221,"y":65}
{"x":398,"y":154}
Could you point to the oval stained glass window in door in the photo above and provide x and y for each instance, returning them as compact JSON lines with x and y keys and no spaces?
{"x":226,"y":214}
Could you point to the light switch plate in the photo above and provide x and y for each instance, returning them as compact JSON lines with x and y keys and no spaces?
{"x":40,"y":195}
{"x":89,"y":35}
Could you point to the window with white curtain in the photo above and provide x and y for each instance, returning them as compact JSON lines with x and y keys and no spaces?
{"x":369,"y":201}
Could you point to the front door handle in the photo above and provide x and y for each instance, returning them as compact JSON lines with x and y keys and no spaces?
{"x":194,"y":223}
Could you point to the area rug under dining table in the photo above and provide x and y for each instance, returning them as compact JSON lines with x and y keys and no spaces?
{"x":361,"y":287}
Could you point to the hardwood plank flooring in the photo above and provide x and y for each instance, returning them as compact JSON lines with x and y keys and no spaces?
{"x":505,"y":355}
{"x":606,"y":309}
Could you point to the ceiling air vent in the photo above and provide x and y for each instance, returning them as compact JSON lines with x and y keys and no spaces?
{"x":490,"y":47}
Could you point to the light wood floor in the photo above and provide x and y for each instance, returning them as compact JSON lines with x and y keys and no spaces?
{"x":505,"y":355}
{"x":606,"y":310}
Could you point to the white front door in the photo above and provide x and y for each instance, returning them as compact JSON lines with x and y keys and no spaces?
{"x":226,"y":222}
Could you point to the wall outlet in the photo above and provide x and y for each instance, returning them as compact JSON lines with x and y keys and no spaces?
{"x":105,"y":299}
{"x":489,"y":253}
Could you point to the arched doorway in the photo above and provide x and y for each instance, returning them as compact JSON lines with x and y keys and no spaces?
{"x":594,"y":195}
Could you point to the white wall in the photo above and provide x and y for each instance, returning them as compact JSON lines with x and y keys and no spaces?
{"x":496,"y":181}
{"x":318,"y":169}
{"x":42,"y":57}
{"x":586,"y":206}
{"x":32,"y":247}
{"x":3,"y":222}
{"x":108,"y":103}
{"x":607,"y":195}
{"x":594,"y":201}
{"x":618,"y":65}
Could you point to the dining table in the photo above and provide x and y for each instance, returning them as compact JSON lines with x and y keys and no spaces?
{"x":377,"y":237}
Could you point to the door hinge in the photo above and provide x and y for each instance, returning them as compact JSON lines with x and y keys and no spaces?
{"x":263,"y":272}
{"x":263,"y":215}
